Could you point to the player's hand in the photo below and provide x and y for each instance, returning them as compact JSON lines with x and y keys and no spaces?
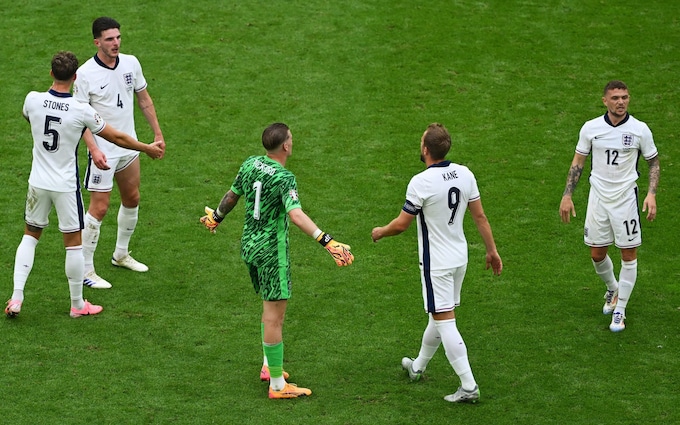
{"x":210,"y":220}
{"x":649,"y":206}
{"x":340,"y":252}
{"x":567,"y":209}
{"x":162,"y":142}
{"x":99,"y":160}
{"x":155,"y":150}
{"x":494,"y":261}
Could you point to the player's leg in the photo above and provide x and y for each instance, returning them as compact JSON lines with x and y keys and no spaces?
{"x":274,"y":285}
{"x":69,"y":209}
{"x":428,"y":346}
{"x":445,"y":291}
{"x":598,"y":235}
{"x":273,"y":314}
{"x":628,"y":235}
{"x":264,"y":371}
{"x":38,"y":206}
{"x":128,"y":180}
{"x":99,"y":183}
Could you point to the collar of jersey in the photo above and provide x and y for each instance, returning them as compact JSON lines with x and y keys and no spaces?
{"x":440,"y":164}
{"x":623,"y":121}
{"x":103,"y":65}
{"x":59,"y":94}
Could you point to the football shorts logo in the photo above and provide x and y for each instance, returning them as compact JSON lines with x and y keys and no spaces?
{"x":96,"y":178}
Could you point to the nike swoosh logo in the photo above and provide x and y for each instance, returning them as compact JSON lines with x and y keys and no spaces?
{"x":103,"y":87}
{"x":596,"y":137}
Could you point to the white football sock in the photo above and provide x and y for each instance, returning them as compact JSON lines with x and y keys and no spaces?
{"x":627,"y":278}
{"x":90,"y":240}
{"x":74,"y":267}
{"x":127,"y":221}
{"x":456,"y":352}
{"x":605,"y":269}
{"x":430,"y":344}
{"x":23,"y":264}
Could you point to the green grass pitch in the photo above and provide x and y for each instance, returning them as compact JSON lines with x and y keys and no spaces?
{"x":358,"y":82}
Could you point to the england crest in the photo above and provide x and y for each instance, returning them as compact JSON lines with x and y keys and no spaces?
{"x":627,"y":140}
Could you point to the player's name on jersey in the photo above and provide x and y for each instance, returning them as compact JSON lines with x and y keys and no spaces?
{"x":267,"y":169}
{"x":450,"y":175}
{"x":50,"y":104}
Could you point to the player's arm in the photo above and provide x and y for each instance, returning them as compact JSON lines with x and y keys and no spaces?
{"x":97,"y":155}
{"x":395,"y":227}
{"x":213,"y":218}
{"x":146,"y":105}
{"x":154,"y":150}
{"x":493,"y":259}
{"x":567,"y":209}
{"x":340,"y":252}
{"x":649,"y":204}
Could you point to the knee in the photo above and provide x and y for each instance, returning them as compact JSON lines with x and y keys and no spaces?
{"x":130,"y":199}
{"x":98,"y":207}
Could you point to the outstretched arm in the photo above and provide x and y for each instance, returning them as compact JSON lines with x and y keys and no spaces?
{"x":567,"y":209}
{"x":213,"y":218}
{"x":395,"y":227}
{"x":154,"y":150}
{"x":341,"y":253}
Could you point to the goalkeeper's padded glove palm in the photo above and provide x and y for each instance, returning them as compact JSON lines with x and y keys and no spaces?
{"x":211,"y":220}
{"x":339,"y":251}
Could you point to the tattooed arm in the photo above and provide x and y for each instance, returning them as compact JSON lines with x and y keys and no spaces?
{"x":649,"y":205}
{"x":567,"y":209}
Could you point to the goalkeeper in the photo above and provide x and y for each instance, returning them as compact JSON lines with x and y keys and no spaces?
{"x":271,"y":201}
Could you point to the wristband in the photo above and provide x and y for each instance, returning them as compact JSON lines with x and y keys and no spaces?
{"x":324,"y":238}
{"x":218,"y":218}
{"x":316,"y":233}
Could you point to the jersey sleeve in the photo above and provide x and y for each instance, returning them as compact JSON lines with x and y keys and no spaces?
{"x":81,"y":88}
{"x":140,"y":81}
{"x":93,"y":120}
{"x":24,"y":110}
{"x":585,"y":142}
{"x":414,"y":201}
{"x":647,"y":146}
{"x":474,"y":189}
{"x":290,"y":197}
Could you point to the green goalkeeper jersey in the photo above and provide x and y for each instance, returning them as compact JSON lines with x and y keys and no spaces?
{"x":270,"y":192}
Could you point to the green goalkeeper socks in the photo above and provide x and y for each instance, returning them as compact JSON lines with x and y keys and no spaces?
{"x":274,"y":355}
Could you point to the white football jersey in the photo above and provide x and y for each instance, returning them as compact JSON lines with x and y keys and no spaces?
{"x":615,"y":152}
{"x":57,"y":124}
{"x":439,"y":196}
{"x":111,"y":92}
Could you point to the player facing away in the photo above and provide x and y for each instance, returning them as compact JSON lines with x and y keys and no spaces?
{"x":437,"y":199}
{"x":616,"y":140}
{"x":57,"y":122}
{"x":110,"y":81}
{"x":271,"y":201}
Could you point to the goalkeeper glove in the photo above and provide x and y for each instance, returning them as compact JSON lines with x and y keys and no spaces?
{"x":339,"y":251}
{"x":211,"y":220}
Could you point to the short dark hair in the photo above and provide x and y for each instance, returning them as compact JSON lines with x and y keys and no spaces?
{"x":64,"y":65}
{"x":437,"y":140}
{"x":615,"y":84}
{"x":274,"y":136}
{"x":102,"y":24}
